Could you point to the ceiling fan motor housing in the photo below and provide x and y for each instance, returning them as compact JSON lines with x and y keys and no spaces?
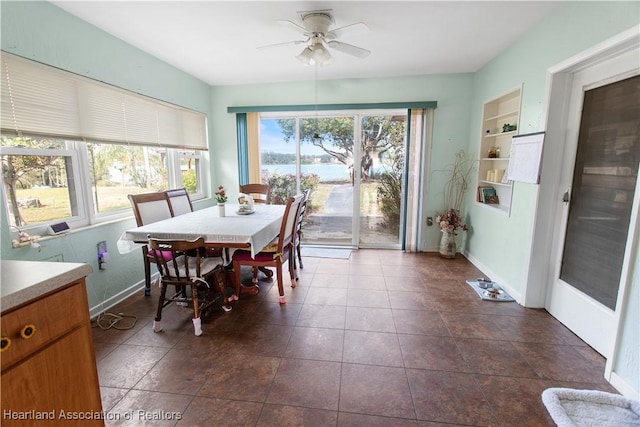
{"x":318,"y":21}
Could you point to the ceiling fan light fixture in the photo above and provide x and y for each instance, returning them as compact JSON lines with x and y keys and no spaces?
{"x":306,"y":56}
{"x":321,"y":55}
{"x":315,"y":54}
{"x":320,"y":37}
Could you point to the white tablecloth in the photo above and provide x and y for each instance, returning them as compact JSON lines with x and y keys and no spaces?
{"x":256,"y":230}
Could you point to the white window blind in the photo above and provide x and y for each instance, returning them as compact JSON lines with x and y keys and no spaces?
{"x":39,"y":99}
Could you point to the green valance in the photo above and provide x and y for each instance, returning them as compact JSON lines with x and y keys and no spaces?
{"x":325,"y":107}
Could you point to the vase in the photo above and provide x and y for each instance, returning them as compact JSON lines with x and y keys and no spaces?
{"x":448,"y":244}
{"x":221,"y":210}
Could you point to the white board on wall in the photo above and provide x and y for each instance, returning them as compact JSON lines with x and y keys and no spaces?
{"x":525,"y":157}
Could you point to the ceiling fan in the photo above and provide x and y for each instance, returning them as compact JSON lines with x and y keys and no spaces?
{"x":320,"y":38}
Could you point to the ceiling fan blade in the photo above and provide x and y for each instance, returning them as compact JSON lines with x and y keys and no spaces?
{"x":282,"y":44}
{"x":349,"y":49}
{"x":336,"y":33}
{"x":293,"y":26}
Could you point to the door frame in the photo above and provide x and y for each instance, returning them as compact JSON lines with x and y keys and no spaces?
{"x":357,"y":114}
{"x":543,"y":251}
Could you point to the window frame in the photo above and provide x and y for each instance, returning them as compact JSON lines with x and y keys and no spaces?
{"x":87,"y":215}
{"x":78,"y":220}
{"x":174,"y":158}
{"x":41,"y":101}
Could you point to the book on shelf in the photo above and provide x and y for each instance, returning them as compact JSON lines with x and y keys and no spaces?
{"x":487,"y":195}
{"x":492,"y":199}
{"x":480,"y":194}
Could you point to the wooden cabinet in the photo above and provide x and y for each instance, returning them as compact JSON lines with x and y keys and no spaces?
{"x":500,"y":122}
{"x":49,"y":374}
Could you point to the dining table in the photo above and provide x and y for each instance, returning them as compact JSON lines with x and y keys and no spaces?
{"x":251,"y":230}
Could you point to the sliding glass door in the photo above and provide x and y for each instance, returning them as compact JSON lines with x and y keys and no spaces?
{"x":352,"y":203}
{"x":382,"y":179}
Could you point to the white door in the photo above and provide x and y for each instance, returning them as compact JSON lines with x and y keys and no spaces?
{"x":600,"y":176}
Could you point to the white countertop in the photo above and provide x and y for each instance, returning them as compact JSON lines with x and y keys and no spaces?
{"x":22,"y":281}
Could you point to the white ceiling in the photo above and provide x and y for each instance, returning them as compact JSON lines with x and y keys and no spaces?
{"x":217,"y":41}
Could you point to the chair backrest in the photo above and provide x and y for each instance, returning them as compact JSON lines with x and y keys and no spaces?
{"x":179,"y":201}
{"x":301,"y":211}
{"x":150,"y":207}
{"x":261,"y":193}
{"x":303,"y":208}
{"x":289,"y":222}
{"x":184,"y":261}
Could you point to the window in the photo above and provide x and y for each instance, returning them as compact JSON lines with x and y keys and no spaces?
{"x":40,"y":178}
{"x":73,"y":148}
{"x":48,"y":180}
{"x":190,"y":171}
{"x":116,"y":170}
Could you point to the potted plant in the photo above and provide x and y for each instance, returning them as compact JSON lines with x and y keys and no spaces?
{"x":221,"y":198}
{"x":457,"y":184}
{"x":449,"y":222}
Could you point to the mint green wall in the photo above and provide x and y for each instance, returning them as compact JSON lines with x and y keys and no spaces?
{"x":450,"y":129}
{"x":572,"y":28}
{"x":558,"y":37}
{"x":503,"y":243}
{"x":45,"y":33}
{"x":627,"y":361}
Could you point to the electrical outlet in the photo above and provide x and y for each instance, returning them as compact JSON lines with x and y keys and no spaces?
{"x":429,"y":221}
{"x":103,"y":255}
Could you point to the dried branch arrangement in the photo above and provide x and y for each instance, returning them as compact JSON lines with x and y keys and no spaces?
{"x":458,"y":182}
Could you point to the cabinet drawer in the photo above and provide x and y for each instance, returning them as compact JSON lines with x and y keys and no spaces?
{"x":51,"y":317}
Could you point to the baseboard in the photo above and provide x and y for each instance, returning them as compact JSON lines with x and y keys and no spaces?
{"x":624,"y":387}
{"x":118,"y":298}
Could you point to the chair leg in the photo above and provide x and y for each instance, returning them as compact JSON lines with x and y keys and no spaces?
{"x":236,"y":272}
{"x":157,"y":327}
{"x":219,"y":280}
{"x":147,"y":273}
{"x":295,"y":265}
{"x":281,"y":299}
{"x":293,"y":274}
{"x":299,"y":256}
{"x":254,"y":280}
{"x":197,"y":324}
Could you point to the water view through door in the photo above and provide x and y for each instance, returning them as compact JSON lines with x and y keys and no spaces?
{"x":318,"y":152}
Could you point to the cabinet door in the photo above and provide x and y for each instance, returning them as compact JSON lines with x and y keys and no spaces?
{"x":61,"y":377}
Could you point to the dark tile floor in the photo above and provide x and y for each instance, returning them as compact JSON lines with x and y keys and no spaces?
{"x":384,"y":338}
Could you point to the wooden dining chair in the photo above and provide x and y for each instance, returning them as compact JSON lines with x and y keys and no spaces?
{"x":297,"y":236}
{"x":180,"y":204}
{"x":179,"y":201}
{"x":279,"y":251}
{"x":149,"y":208}
{"x":261,"y":193}
{"x":187,"y":268}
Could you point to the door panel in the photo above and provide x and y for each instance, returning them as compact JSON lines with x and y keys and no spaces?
{"x":382,"y":179}
{"x":601,"y":167}
{"x":602,"y":190}
{"x":327,"y":145}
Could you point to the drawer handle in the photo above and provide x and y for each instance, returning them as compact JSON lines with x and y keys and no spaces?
{"x":28,"y":331}
{"x":5,"y":343}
